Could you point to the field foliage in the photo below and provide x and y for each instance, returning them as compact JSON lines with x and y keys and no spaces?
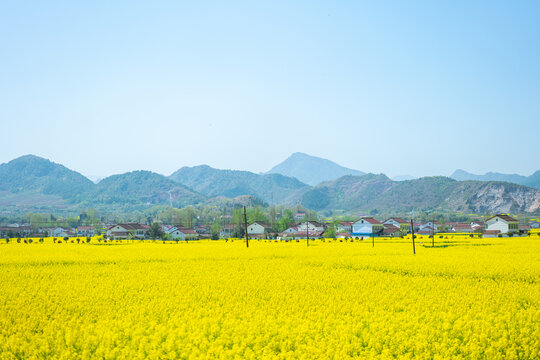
{"x":464,"y":298}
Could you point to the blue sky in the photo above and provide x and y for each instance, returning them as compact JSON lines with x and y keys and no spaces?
{"x":417,"y":88}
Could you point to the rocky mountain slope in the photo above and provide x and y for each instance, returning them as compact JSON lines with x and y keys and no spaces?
{"x":371,"y":191}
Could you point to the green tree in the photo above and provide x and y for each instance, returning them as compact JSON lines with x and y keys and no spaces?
{"x":331,"y":231}
{"x":256,"y":214}
{"x":215,"y":230}
{"x":155,"y":231}
{"x":287,"y":219}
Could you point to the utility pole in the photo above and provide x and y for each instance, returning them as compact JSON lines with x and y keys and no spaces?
{"x":433,"y":234}
{"x":412,"y":232}
{"x":245,"y":226}
{"x":307,"y":231}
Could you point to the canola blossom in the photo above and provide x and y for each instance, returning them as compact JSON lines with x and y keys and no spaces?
{"x":462,"y":299}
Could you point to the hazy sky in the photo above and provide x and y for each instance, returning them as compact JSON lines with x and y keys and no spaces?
{"x":400,"y":87}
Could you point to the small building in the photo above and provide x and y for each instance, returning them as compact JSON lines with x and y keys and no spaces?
{"x":403,"y":225}
{"x":433,"y":225}
{"x":87,"y":231}
{"x":127,"y":231}
{"x":182,"y":233}
{"x":491,"y":233}
{"x":57,"y":231}
{"x":310,"y":234}
{"x":291,"y":230}
{"x":462,"y":228}
{"x":203,"y":231}
{"x":344,"y":226}
{"x":258,"y":230}
{"x":367,"y":226}
{"x":310,"y":226}
{"x":226,"y":231}
{"x":391,"y":230}
{"x":299,"y":216}
{"x":503,"y":223}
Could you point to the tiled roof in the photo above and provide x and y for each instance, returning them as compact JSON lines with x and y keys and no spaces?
{"x":504,"y":217}
{"x":399,"y":220}
{"x":371,"y":220}
{"x":390,"y":228}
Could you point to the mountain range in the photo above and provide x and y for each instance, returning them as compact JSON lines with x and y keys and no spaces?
{"x":435,"y":193}
{"x":532,"y":180}
{"x":31,"y":183}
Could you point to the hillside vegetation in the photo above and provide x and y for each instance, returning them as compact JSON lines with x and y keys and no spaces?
{"x":271,"y":188}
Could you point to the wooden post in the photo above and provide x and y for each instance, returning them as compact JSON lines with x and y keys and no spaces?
{"x":412,"y":232}
{"x":433,"y":234}
{"x":372,"y":237}
{"x":245,"y":226}
{"x":307,"y":231}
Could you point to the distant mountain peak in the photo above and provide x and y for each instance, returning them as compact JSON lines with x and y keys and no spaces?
{"x":312,"y":170}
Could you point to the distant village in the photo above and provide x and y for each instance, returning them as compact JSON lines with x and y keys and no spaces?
{"x":495,"y":226}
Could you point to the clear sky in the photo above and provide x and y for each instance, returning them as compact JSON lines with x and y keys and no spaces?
{"x":402,"y":87}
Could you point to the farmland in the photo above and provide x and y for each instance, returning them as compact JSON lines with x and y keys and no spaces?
{"x":463,"y":298}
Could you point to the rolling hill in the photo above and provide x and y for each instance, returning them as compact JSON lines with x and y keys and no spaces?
{"x":142,"y":188}
{"x":31,"y":182}
{"x":271,"y":188}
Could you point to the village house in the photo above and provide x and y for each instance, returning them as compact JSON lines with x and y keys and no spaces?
{"x":462,"y":228}
{"x":291,"y":230}
{"x":391,"y":230}
{"x":16,"y":231}
{"x":300,"y":235}
{"x":504,"y":223}
{"x":258,"y":230}
{"x":491,"y":233}
{"x":57,"y":231}
{"x":403,"y":225}
{"x":367,"y":226}
{"x":344,"y":226}
{"x":432,"y":225}
{"x":127,"y":231}
{"x":226,"y":231}
{"x":182,"y":233}
{"x":87,"y":231}
{"x":478,"y":226}
{"x":65,"y":233}
{"x":309,"y":226}
{"x":299,"y":216}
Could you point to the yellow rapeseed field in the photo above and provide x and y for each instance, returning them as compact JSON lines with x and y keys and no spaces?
{"x":464,"y":299}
